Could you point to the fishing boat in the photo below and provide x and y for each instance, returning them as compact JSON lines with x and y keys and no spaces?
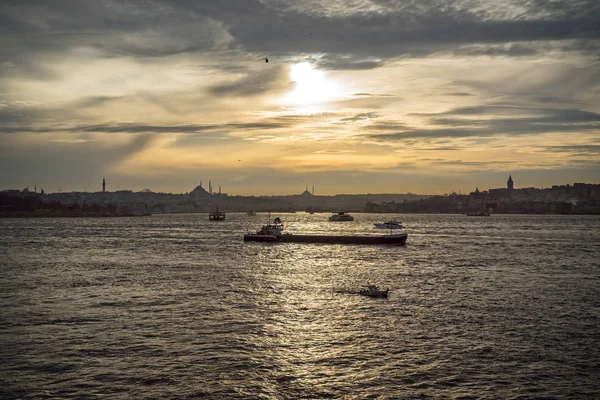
{"x":216,"y":215}
{"x":373,"y":291}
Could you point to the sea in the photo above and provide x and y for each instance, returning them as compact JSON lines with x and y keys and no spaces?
{"x":175,"y":306}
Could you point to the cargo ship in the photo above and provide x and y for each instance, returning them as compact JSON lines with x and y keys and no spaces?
{"x":273,"y":232}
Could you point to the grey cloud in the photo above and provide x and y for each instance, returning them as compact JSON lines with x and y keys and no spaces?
{"x":451,"y":124}
{"x":340,"y":62}
{"x":360,"y":117}
{"x":514,"y":50}
{"x":472,"y":163}
{"x":68,"y":163}
{"x":546,"y":114}
{"x":141,"y":128}
{"x":442,"y":148}
{"x":372,"y":102}
{"x":582,"y":149}
{"x":426,"y":134}
{"x":387,"y":126}
{"x":257,"y":82}
{"x":462,"y":94}
{"x":95,"y":101}
{"x":372,"y":95}
{"x":334,"y":151}
{"x":361,"y":40}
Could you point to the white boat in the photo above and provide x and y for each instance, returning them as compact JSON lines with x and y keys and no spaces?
{"x":270,"y":232}
{"x":392,"y":224}
{"x":373,"y":291}
{"x":341,"y":216}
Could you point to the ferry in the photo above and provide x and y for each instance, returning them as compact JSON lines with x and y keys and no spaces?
{"x":273,"y":232}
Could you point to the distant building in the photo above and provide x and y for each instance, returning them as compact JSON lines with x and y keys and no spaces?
{"x":199,"y":193}
{"x":509,"y":183}
{"x":103,"y":185}
{"x":306,"y":193}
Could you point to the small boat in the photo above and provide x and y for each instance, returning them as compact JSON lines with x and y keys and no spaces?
{"x":216,"y":215}
{"x":341,"y":216}
{"x":373,"y":291}
{"x":392,"y":224}
{"x":277,"y":221}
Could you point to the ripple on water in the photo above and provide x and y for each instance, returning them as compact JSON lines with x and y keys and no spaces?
{"x":173,"y":306}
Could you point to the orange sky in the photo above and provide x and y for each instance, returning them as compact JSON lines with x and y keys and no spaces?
{"x":357,"y":97}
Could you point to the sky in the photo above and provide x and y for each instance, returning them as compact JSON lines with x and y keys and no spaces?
{"x":357,"y":96}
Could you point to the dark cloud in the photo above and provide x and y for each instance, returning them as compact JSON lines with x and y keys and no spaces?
{"x":340,"y":62}
{"x":95,"y":101}
{"x":65,"y":163}
{"x":142,"y":128}
{"x":460,"y":163}
{"x":384,"y":126}
{"x":442,"y":148}
{"x":461,"y":94}
{"x":360,"y":117}
{"x":578,"y":149}
{"x":513,"y":50}
{"x":360,"y":40}
{"x":333,"y":151}
{"x":485,"y":121}
{"x":255,"y":83}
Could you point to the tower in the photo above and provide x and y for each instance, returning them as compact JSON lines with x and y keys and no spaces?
{"x":103,"y":185}
{"x":509,"y":183}
{"x":209,"y":187}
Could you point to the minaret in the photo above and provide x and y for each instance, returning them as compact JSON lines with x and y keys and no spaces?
{"x":103,"y":185}
{"x":219,"y":190}
{"x":313,"y":190}
{"x":509,"y":183}
{"x":209,"y":187}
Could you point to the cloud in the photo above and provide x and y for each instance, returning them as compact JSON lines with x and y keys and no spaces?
{"x":348,"y":37}
{"x":575,"y":149}
{"x":142,"y":128}
{"x":360,"y":117}
{"x":344,"y":62}
{"x":333,"y":151}
{"x":512,"y":49}
{"x":482,"y":121}
{"x":423,"y":77}
{"x":269,"y":79}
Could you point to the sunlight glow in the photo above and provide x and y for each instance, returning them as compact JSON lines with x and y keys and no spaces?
{"x":311,"y":86}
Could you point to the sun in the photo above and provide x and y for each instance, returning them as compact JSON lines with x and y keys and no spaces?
{"x":311,"y":86}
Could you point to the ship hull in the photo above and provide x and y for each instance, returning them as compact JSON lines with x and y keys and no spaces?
{"x":399,"y":239}
{"x":260,"y":238}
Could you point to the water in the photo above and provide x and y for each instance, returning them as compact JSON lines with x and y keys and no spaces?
{"x":175,"y":306}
